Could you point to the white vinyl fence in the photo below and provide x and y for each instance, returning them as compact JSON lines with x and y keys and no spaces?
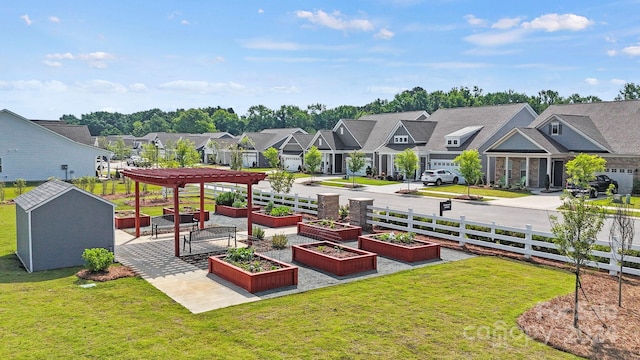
{"x":524,"y":241}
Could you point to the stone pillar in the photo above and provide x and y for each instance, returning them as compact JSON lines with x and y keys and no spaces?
{"x":358,"y":212}
{"x":328,"y":206}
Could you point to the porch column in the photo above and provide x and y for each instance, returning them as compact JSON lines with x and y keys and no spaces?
{"x":487,"y":173}
{"x":249,"y":210}
{"x":176,"y":222}
{"x":526,"y":174}
{"x":379,"y":163}
{"x":506,"y":170}
{"x":549,"y":168}
{"x":390,"y":161}
{"x":201,"y":205}
{"x":137,"y":221}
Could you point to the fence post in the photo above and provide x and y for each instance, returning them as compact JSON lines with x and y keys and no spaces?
{"x":410,"y":221}
{"x":613,"y":262}
{"x":295,"y":203}
{"x":358,"y":213}
{"x":527,"y":241}
{"x":328,"y":206}
{"x":462,"y":230}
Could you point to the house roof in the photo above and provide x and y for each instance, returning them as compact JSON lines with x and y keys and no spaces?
{"x":269,"y":137}
{"x":360,"y":129}
{"x":181,"y":177}
{"x":491,"y":118}
{"x":303,"y":139}
{"x":616,"y":121}
{"x":539,"y":138}
{"x":420,"y":130}
{"x":407,"y":115}
{"x":77,"y":133}
{"x":48,"y":191}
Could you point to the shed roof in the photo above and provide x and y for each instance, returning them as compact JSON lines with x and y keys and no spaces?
{"x":181,"y":177}
{"x":48,"y":191}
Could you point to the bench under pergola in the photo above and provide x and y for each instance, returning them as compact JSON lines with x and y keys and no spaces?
{"x":178,"y":178}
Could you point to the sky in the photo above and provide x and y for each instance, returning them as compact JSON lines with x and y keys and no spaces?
{"x":77,"y":57}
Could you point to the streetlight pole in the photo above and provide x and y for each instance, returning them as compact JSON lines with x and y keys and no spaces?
{"x":155,"y":143}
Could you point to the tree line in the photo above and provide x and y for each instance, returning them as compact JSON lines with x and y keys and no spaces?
{"x":316,"y":116}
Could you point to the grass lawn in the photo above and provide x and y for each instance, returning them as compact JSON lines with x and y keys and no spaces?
{"x":327,"y":183}
{"x":464,"y":309}
{"x":364,"y":181}
{"x":634,"y":202}
{"x":462,"y":189}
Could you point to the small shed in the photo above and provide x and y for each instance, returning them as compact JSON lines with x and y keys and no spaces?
{"x":57,"y":221}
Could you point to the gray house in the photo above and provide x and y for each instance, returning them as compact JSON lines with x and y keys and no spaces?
{"x":56,"y":222}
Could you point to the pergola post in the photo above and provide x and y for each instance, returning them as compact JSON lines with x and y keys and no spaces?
{"x":176,"y":221}
{"x":201,"y":205}
{"x":137,"y":221}
{"x":249,"y":210}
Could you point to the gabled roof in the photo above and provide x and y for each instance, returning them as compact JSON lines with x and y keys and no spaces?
{"x":303,"y":139}
{"x":269,"y":137}
{"x":535,"y":137}
{"x":491,"y":118}
{"x":407,"y":115}
{"x":420,"y":131}
{"x":218,"y":135}
{"x":48,"y":191}
{"x":582,"y":125}
{"x":385,"y":123}
{"x":77,"y":133}
{"x":616,"y":121}
{"x":360,"y":129}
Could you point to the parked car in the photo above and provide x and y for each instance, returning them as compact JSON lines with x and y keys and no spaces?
{"x":134,"y":160}
{"x":596,"y":187}
{"x":438,"y":177}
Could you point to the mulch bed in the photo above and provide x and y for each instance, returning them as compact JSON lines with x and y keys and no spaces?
{"x":114,"y":272}
{"x":333,"y":251}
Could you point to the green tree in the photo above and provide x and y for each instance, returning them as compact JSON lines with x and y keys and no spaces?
{"x":235,"y":163}
{"x":312,"y":160}
{"x":150,"y":154}
{"x":272,"y":156}
{"x":120,"y":150}
{"x":470,"y":167}
{"x":193,"y":121}
{"x":407,"y":162}
{"x":186,"y":153}
{"x":20,"y":184}
{"x":281,"y":181}
{"x":355,"y":163}
{"x":576,"y":232}
{"x":621,"y":235}
{"x":630,"y":91}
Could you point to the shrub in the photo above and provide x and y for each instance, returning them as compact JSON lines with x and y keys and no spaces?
{"x":239,"y":255}
{"x":2,"y":187}
{"x":279,"y":241}
{"x":239,"y":204}
{"x":20,"y":184}
{"x":280,"y":211}
{"x":228,"y":198}
{"x":343,"y":212}
{"x":258,"y":233}
{"x":97,"y":259}
{"x":269,"y":207}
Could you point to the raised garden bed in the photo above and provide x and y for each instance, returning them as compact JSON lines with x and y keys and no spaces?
{"x":194,"y":213}
{"x":127,"y":219}
{"x":275,"y":221}
{"x":333,"y":258}
{"x":416,"y":250}
{"x":234,"y":212}
{"x":329,"y":230}
{"x":285,"y":275}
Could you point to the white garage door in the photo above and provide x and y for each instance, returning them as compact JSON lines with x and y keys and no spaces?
{"x":624,"y":177}
{"x":291,"y":162}
{"x":249,"y":159}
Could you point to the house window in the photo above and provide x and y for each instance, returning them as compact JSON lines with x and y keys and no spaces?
{"x":629,"y":171}
{"x":401,"y":139}
{"x":614,"y":170}
{"x":555,"y":128}
{"x":455,"y":142}
{"x":341,"y":130}
{"x":319,"y":141}
{"x":448,"y":142}
{"x":523,"y":168}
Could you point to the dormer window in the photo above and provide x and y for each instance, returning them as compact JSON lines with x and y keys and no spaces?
{"x":319,"y":141}
{"x":555,"y":128}
{"x":401,"y":139}
{"x":341,"y":130}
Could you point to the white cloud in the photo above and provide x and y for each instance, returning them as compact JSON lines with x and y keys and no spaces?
{"x":185,"y":22}
{"x":506,"y":23}
{"x":33,"y":85}
{"x":102,"y":86}
{"x":272,"y":45}
{"x":285,"y":89}
{"x":26,"y":19}
{"x":592,"y":81}
{"x":612,"y":52}
{"x":334,"y":20}
{"x":384,"y":34}
{"x":58,"y":56}
{"x":216,"y":60}
{"x":138,"y":87}
{"x":97,"y":59}
{"x":610,"y":39}
{"x":557,"y":22}
{"x":472,"y":20}
{"x":54,"y":19}
{"x":495,"y":38}
{"x":52,"y":63}
{"x":632,"y":50}
{"x":203,"y":87}
{"x":617,"y":81}
{"x":260,"y":11}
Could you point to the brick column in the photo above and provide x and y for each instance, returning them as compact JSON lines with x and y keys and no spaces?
{"x":328,"y":206}
{"x":358,"y":212}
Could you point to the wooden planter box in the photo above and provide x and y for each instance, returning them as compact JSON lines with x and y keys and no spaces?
{"x":425,"y":251}
{"x":188,"y":215}
{"x":129,"y":221}
{"x":275,"y":221}
{"x":254,"y":282}
{"x":341,"y":232}
{"x":363,"y":261}
{"x":234,"y":212}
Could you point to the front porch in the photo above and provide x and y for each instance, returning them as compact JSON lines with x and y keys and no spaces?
{"x":525,"y":170}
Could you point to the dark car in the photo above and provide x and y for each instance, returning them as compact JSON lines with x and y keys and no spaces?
{"x":599,"y":185}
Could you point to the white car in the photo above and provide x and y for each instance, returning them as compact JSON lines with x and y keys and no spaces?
{"x":438,"y":177}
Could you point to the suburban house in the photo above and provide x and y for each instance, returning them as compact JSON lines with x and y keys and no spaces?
{"x":164,"y":140}
{"x":293,"y":149}
{"x":543,"y":147}
{"x":35,"y":152}
{"x":459,"y":129}
{"x":254,"y":143}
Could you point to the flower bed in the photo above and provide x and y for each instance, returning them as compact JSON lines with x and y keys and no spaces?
{"x":333,"y":258}
{"x":127,"y":219}
{"x":285,"y":275}
{"x":329,"y":230}
{"x":409,"y":251}
{"x":233,"y":211}
{"x":275,"y":221}
{"x":194,"y":213}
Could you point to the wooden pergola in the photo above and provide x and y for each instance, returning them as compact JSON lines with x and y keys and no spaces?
{"x":178,"y":178}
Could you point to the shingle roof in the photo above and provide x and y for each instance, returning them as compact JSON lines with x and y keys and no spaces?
{"x":407,"y":115}
{"x":491,"y":118}
{"x":420,"y":130}
{"x":303,"y":139}
{"x":616,"y":121}
{"x":47,"y":192}
{"x":360,"y":129}
{"x":77,"y":133}
{"x":547,"y":144}
{"x":268,"y":137}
